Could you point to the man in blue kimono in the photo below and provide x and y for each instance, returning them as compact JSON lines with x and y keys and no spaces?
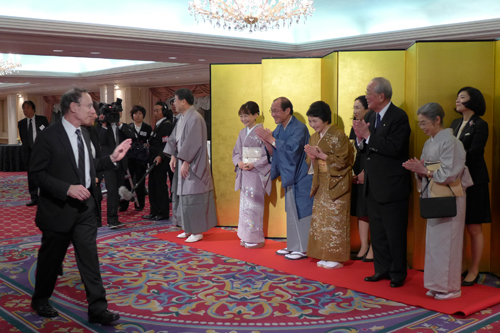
{"x":288,"y":160}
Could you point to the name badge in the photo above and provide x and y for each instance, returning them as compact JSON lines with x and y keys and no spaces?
{"x":41,"y":127}
{"x":164,"y":139}
{"x":142,"y":133}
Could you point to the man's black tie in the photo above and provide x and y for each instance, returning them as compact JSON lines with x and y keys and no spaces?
{"x":81,"y":157}
{"x":377,"y":123}
{"x":30,"y":133}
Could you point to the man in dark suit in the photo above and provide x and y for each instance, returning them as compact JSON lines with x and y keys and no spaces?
{"x":29,"y":128}
{"x":111,"y":135}
{"x":63,"y":168}
{"x":158,"y":190}
{"x":386,"y":136}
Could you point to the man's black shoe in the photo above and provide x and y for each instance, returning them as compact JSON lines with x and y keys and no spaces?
{"x":396,"y":283}
{"x":149,"y":217}
{"x":160,"y":217}
{"x":45,"y":310}
{"x":103,"y":318}
{"x":377,"y":277}
{"x":32,"y":203}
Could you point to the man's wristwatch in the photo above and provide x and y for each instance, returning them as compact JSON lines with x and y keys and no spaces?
{"x":274,"y":144}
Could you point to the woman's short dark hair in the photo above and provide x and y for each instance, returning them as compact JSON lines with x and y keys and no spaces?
{"x":432,"y":111}
{"x":186,"y":94}
{"x":476,"y":102}
{"x":249,"y":108}
{"x":137,"y":108}
{"x":285,"y":104}
{"x":320,"y":110}
{"x":31,"y":104}
{"x":71,"y":96}
{"x":362,"y":100}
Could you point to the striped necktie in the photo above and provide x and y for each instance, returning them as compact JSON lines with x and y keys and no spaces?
{"x":81,"y":157}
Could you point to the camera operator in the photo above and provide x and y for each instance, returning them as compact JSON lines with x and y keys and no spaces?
{"x":137,"y":156}
{"x":112,"y":133}
{"x":158,"y":190}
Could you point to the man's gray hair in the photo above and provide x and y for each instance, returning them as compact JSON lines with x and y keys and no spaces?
{"x":431,"y":111}
{"x":382,"y":85}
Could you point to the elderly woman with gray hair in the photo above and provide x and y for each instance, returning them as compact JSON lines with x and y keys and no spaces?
{"x":442,"y":163}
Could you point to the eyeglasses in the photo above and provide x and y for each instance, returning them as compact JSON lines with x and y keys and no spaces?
{"x":271,"y":111}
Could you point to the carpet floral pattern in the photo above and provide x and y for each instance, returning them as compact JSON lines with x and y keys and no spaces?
{"x":158,"y":286}
{"x":155,"y":281}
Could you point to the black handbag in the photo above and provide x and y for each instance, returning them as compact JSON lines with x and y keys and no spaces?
{"x":438,"y":207}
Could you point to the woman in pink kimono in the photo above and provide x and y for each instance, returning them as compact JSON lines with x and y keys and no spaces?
{"x":252,"y":178}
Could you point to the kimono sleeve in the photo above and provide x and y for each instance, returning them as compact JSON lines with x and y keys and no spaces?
{"x":170,"y":147}
{"x":452,"y":158}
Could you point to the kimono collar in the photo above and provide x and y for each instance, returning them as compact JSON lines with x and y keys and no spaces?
{"x":443,"y":133}
{"x":288,"y":123}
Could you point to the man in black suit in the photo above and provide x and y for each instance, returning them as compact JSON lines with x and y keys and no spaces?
{"x":63,"y":168}
{"x":111,"y":135}
{"x":29,"y":128}
{"x":386,"y":136}
{"x":158,"y":190}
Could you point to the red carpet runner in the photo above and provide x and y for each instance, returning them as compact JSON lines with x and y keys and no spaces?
{"x":351,"y":276}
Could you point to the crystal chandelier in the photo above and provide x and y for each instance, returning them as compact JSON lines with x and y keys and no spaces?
{"x":254,"y":15}
{"x":10,"y":65}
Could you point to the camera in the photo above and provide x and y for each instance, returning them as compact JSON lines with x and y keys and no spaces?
{"x":111,"y":111}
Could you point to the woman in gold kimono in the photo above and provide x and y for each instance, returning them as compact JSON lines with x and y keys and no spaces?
{"x":330,"y":157}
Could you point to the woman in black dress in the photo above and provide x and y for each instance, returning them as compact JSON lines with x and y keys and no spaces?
{"x":473,"y":132}
{"x":358,"y":201}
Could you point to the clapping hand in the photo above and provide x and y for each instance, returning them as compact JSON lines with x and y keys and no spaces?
{"x":414,"y":165}
{"x":265,"y":134}
{"x":361,"y":129}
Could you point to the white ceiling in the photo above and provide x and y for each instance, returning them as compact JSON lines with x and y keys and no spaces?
{"x":170,"y":48}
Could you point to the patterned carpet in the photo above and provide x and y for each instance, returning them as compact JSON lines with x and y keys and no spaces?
{"x":159,"y":286}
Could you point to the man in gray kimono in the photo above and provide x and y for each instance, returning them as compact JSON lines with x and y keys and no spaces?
{"x":193,"y":203}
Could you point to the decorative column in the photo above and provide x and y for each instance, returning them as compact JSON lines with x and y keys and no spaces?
{"x":107,"y":93}
{"x":12,"y":118}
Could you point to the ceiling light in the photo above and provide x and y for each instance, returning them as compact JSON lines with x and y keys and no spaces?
{"x":202,"y":59}
{"x":10,"y":65}
{"x":57,"y":50}
{"x":95,"y":52}
{"x":116,"y":86}
{"x":172,"y":57}
{"x":254,"y":15}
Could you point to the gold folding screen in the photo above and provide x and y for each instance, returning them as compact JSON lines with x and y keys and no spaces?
{"x":430,"y":71}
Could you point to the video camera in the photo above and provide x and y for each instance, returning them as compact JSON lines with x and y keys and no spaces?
{"x":111,"y":111}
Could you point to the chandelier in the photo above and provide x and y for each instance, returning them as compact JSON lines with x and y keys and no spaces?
{"x":10,"y":65}
{"x":254,"y":15}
